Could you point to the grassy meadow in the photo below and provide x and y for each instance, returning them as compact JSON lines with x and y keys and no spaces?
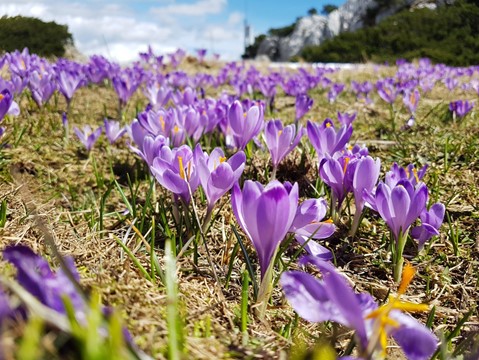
{"x":187,"y":289}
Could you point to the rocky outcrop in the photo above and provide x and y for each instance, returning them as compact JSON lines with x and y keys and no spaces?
{"x":351,"y":16}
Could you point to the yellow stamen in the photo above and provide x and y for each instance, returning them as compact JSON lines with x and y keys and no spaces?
{"x":182,"y":169}
{"x":346,"y":162}
{"x":1,"y":97}
{"x":280,"y":132}
{"x":176,"y":129}
{"x":162,"y":122}
{"x":414,"y":171}
{"x":328,"y":221}
{"x":222,"y":159}
{"x":328,"y":124}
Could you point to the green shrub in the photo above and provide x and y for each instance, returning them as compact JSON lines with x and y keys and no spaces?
{"x":447,"y":35}
{"x":42,"y":38}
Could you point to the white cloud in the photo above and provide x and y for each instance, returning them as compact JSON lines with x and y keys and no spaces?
{"x":235,"y":18}
{"x":199,"y":8}
{"x":119,"y":29}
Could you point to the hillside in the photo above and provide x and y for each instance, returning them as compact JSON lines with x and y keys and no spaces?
{"x":378,"y":31}
{"x":445,"y":35}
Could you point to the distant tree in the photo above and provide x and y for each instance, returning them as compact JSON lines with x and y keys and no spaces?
{"x":252,"y":50}
{"x":328,"y":9}
{"x":312,"y":12}
{"x":42,"y":38}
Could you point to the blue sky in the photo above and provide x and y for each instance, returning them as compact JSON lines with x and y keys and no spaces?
{"x":119,"y":29}
{"x":264,"y":15}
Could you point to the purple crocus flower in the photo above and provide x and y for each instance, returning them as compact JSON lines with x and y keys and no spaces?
{"x":451,"y":83}
{"x":346,"y":119}
{"x":245,"y":125}
{"x":218,"y":174}
{"x":69,"y":80}
{"x":334,"y":92}
{"x":366,"y":175}
{"x":431,"y":221}
{"x":175,"y":169}
{"x":333,"y":172}
{"x":308,"y":225}
{"x":332,"y":299}
{"x":201,"y":54}
{"x":7,"y":105}
{"x":42,"y":86}
{"x":303,"y":104}
{"x":48,"y":287}
{"x":125,"y":83}
{"x":158,"y":95}
{"x":35,"y":275}
{"x":112,"y":130}
{"x":281,"y":141}
{"x":150,"y":147}
{"x":460,"y":108}
{"x":387,"y":90}
{"x":87,"y":136}
{"x":411,"y":100}
{"x":409,"y":173}
{"x":325,"y":139}
{"x":399,"y":207}
{"x":265,"y":213}
{"x":6,"y":310}
{"x":362,"y":90}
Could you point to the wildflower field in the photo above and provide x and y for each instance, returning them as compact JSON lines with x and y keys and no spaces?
{"x":187,"y":208}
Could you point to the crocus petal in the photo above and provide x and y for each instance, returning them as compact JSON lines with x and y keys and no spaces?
{"x":237,"y":163}
{"x":272,"y":225}
{"x":382,"y":201}
{"x":435,"y":215}
{"x":342,"y":296}
{"x":236,"y":118}
{"x":423,"y":233}
{"x":365,"y":178}
{"x":418,"y":203}
{"x":173,"y":182}
{"x":416,"y":340}
{"x":332,"y":174}
{"x":307,"y":296}
{"x":400,"y":203}
{"x":221,"y":180}
{"x":317,"y":230}
{"x":310,"y":210}
{"x":313,"y":248}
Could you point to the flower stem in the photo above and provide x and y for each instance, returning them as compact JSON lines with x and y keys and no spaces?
{"x":398,"y":256}
{"x":273,"y":173}
{"x":266,"y":287}
{"x":393,"y":117}
{"x":356,"y":222}
{"x":207,"y":220}
{"x":334,"y":208}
